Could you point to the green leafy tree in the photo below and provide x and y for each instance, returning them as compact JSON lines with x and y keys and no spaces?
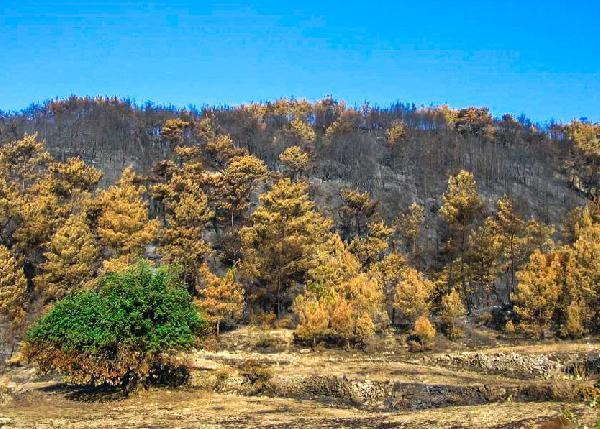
{"x":120,"y":334}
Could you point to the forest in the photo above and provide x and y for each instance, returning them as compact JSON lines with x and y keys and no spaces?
{"x":128,"y":231}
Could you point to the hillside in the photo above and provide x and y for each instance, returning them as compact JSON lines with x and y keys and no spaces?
{"x":531,"y":163}
{"x":295,"y":257}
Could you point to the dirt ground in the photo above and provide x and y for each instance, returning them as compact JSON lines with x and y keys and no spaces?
{"x":186,"y":408}
{"x":386,"y":387}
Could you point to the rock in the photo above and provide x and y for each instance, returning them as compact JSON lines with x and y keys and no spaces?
{"x":531,"y":365}
{"x":205,"y":364}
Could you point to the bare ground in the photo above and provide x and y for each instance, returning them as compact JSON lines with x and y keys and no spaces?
{"x":385,"y":387}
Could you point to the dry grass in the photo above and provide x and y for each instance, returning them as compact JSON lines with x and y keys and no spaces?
{"x":42,"y":403}
{"x":192,"y":409}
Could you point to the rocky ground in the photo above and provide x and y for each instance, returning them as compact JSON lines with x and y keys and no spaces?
{"x":253,"y":378}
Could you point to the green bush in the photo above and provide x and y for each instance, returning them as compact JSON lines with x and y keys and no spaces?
{"x":120,"y":334}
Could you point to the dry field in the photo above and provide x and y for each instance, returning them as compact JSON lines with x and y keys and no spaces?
{"x":254,"y":378}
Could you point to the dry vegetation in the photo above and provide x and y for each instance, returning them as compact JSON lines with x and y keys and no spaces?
{"x":245,"y":384}
{"x":297,"y":264}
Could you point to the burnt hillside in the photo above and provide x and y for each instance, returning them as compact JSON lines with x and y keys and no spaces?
{"x":532,"y":164}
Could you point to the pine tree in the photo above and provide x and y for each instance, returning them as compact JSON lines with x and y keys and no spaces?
{"x":582,"y":282}
{"x":461,"y":207}
{"x":13,"y":288}
{"x":349,"y":312}
{"x":189,"y":161}
{"x":395,"y":133}
{"x":204,"y":129}
{"x":409,"y":224}
{"x":24,"y":162}
{"x":574,"y":320}
{"x":387,"y":273}
{"x":173,"y":130}
{"x":231,"y":192}
{"x":302,"y":131}
{"x":357,"y":309}
{"x":369,"y":248}
{"x":578,"y":219}
{"x":449,"y":115}
{"x":538,"y":291}
{"x":47,"y":204}
{"x":482,"y":263}
{"x":339,"y":301}
{"x":452,"y":309}
{"x":38,"y":214}
{"x":585,"y":154}
{"x":71,"y":260}
{"x":233,"y":187}
{"x":222,"y":299}
{"x":295,"y":161}
{"x":348,"y":122}
{"x":34,"y":208}
{"x":187,"y":213}
{"x":412,"y":296}
{"x":279,"y":245}
{"x":517,"y":237}
{"x":356,"y":211}
{"x":424,"y":329}
{"x":313,"y":317}
{"x":474,"y":120}
{"x":123,"y":225}
{"x":586,"y":137}
{"x":37,"y":196}
{"x":221,"y":150}
{"x":72,"y":178}
{"x":9,"y":210}
{"x":332,"y":266}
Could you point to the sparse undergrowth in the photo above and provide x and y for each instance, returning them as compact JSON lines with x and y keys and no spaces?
{"x":354,"y":388}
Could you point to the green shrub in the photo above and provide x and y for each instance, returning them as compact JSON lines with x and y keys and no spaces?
{"x":121,"y":334}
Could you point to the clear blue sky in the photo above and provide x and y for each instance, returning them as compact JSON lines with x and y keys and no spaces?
{"x":541,"y":58}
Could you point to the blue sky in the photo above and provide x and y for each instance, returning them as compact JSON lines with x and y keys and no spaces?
{"x":541,"y":58}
